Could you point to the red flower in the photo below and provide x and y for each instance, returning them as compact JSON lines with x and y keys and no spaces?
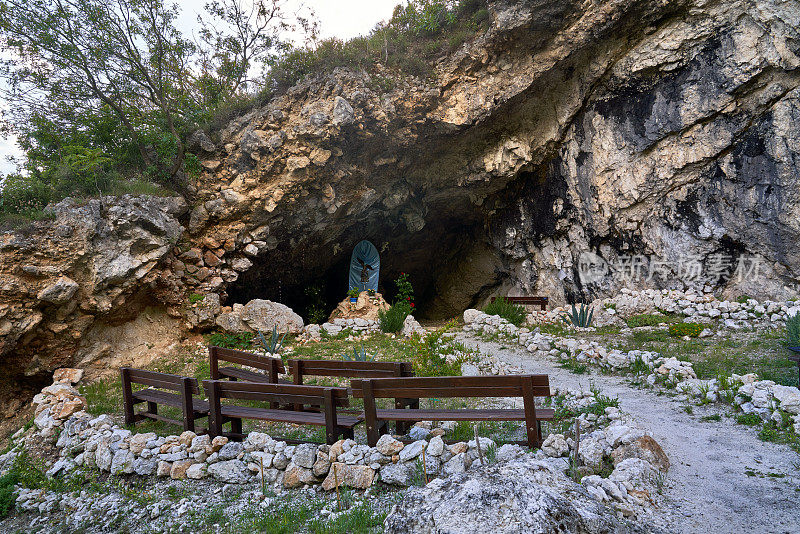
{"x":412,"y":304}
{"x":408,"y":298}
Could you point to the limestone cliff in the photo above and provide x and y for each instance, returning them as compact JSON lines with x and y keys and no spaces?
{"x":663,"y":128}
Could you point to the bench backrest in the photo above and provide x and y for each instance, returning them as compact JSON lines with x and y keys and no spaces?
{"x":280,"y":393}
{"x":453,"y":386}
{"x":532,"y":301}
{"x":160,"y":380}
{"x":300,"y":368}
{"x":215,"y":354}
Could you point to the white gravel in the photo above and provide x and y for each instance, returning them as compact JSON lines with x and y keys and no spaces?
{"x":708,"y":489}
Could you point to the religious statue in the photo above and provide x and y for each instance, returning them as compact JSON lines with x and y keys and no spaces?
{"x":365,"y":268}
{"x":365,"y":264}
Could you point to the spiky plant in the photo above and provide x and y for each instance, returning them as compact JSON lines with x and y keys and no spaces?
{"x":793,"y":330}
{"x":275,"y":342}
{"x":358,"y":356}
{"x":581,"y":317}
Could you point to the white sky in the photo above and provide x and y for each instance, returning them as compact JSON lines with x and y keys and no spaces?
{"x":337,"y":18}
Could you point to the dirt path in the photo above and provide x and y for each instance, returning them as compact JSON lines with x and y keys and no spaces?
{"x":708,"y":489}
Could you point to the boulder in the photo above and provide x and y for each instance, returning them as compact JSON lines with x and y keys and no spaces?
{"x":388,"y":446}
{"x":67,"y":375}
{"x":230,"y":471}
{"x":397,"y":474}
{"x":353,"y":476}
{"x":521,"y":496}
{"x":411,"y":327}
{"x":645,"y":448}
{"x":262,"y":315}
{"x":59,"y":292}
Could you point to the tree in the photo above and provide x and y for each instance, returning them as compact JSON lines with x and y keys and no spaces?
{"x":242,"y":38}
{"x":79,"y":58}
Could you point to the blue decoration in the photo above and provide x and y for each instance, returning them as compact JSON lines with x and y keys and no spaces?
{"x":365,"y":263}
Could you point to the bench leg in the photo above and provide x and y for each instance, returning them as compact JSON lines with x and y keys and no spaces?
{"x":127,"y":397}
{"x":532,"y":425}
{"x":152,"y":408}
{"x":236,"y":426}
{"x":370,"y":414}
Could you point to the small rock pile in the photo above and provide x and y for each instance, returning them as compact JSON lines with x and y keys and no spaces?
{"x":59,"y":401}
{"x":697,"y":307}
{"x":770,"y":401}
{"x":358,"y":326}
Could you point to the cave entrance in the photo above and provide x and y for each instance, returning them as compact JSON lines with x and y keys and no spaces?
{"x":312,"y":277}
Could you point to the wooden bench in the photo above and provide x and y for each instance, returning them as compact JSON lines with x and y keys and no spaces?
{"x":525,"y":386}
{"x":154,"y":395}
{"x":528,"y":301}
{"x":272,"y":366}
{"x":278,"y":394}
{"x":339,"y":368}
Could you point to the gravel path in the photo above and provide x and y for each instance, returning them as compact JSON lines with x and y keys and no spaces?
{"x":708,"y":487}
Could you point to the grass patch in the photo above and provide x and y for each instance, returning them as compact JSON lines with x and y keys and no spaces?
{"x":751,"y":419}
{"x":645,"y":319}
{"x":513,"y":313}
{"x":708,"y":418}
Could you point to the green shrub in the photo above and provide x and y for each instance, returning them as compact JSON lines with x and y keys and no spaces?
{"x":748,"y":419}
{"x":429,"y":354}
{"x":243,"y":341}
{"x":391,"y":320}
{"x":23,"y":194}
{"x":194,"y":298}
{"x":685,"y":329}
{"x":513,"y":313}
{"x":7,"y":494}
{"x":793,"y":330}
{"x":405,"y":291}
{"x":742,"y":299}
{"x":644,"y":319}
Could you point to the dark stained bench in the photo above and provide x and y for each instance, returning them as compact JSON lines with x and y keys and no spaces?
{"x":154,"y":395}
{"x":525,"y":386}
{"x":278,"y":394}
{"x":528,"y":301}
{"x":340,"y":368}
{"x":272,"y":366}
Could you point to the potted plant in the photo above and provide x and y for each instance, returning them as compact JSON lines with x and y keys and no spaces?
{"x":353,"y":294}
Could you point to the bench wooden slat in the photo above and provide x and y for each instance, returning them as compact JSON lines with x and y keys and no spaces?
{"x":460,"y":386}
{"x":161,"y":380}
{"x":250,"y":359}
{"x":287,"y":416}
{"x":351,"y":369}
{"x":326,"y":398}
{"x":528,"y":301}
{"x":526,"y":386}
{"x":184,"y":399}
{"x":168,"y":399}
{"x":545,"y":414}
{"x":249,"y":376}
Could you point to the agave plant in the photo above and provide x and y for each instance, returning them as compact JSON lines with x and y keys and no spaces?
{"x":358,"y":356}
{"x":793,"y":330}
{"x":579,"y":317}
{"x":275,"y":342}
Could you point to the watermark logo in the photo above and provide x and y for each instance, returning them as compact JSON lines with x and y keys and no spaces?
{"x":713,"y":268}
{"x":592,"y":268}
